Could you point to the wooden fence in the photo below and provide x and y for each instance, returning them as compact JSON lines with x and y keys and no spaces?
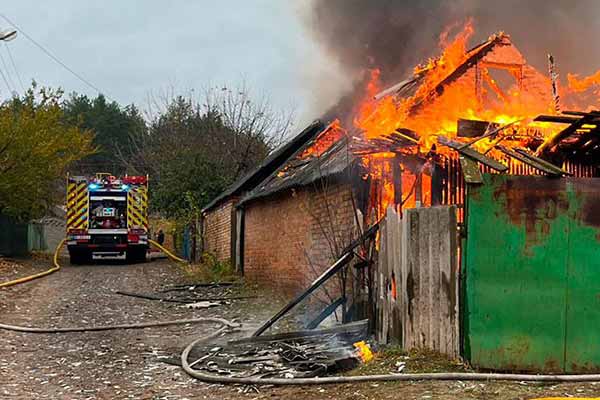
{"x":416,"y":281}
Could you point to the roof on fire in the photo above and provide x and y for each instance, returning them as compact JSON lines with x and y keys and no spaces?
{"x":409,"y":87}
{"x":269,"y":165}
{"x":303,"y":171}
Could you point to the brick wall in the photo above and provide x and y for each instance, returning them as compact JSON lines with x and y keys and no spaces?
{"x":289,"y":237}
{"x":217,"y":230}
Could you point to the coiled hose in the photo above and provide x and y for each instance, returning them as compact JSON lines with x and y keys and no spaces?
{"x":450,"y":376}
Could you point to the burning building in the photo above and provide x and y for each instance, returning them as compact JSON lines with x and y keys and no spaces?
{"x":470,"y":110}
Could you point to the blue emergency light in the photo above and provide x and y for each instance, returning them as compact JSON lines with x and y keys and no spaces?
{"x":93,"y":186}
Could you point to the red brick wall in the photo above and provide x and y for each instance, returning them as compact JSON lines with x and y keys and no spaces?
{"x":287,"y":233}
{"x":217,"y":230}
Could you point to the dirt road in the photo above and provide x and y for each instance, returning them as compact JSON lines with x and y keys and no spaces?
{"x":126,"y":365}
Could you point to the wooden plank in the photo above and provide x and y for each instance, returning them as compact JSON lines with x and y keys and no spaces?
{"x":396,"y":326}
{"x":526,"y":160}
{"x":471,"y":128}
{"x":425,"y":272}
{"x":454,"y":281}
{"x":446,"y":335}
{"x":470,"y":170}
{"x":404,"y":274}
{"x":436,"y":233}
{"x":397,"y":310}
{"x":474,"y":154}
{"x":414,"y":262}
{"x":542,"y":162}
{"x":561,"y":119}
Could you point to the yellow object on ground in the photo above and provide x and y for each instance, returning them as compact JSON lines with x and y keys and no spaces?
{"x":167,"y":252}
{"x":32,"y":277}
{"x":364,"y":351}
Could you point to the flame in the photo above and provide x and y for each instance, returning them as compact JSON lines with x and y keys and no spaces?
{"x":440,"y":100}
{"x":330,"y":135}
{"x":491,"y":82}
{"x":579,"y":85}
{"x":364,"y":352}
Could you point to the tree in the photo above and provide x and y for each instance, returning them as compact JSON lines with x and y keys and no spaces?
{"x":112,"y":125}
{"x":194,"y":149}
{"x":36,"y":147}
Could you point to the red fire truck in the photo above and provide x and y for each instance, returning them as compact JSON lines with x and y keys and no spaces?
{"x":107,"y":216}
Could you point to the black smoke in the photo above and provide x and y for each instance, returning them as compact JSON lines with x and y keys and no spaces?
{"x":396,"y":35}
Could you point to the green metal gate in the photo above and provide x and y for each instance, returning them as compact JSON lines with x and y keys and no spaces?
{"x":531,"y":278}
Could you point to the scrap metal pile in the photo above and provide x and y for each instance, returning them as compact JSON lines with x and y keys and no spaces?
{"x":299,"y":354}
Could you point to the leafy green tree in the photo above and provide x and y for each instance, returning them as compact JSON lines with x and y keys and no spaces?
{"x":36,"y":147}
{"x":112,"y":125}
{"x":195,"y":149}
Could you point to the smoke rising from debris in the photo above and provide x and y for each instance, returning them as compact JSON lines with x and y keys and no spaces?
{"x":395,"y":35}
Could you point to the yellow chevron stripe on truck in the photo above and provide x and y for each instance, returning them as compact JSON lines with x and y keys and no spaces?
{"x":77,"y":205}
{"x":137,"y":208}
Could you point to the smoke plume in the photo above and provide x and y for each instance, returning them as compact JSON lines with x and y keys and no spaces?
{"x":395,"y":35}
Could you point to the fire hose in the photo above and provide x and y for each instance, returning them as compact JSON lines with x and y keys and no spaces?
{"x":277,"y":381}
{"x":26,"y":329}
{"x":167,"y":252}
{"x":438,"y":376}
{"x":55,"y":268}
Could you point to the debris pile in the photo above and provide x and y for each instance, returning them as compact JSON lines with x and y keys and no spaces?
{"x":301,"y":354}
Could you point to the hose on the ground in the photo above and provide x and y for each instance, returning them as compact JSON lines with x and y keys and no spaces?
{"x":442,"y":376}
{"x":55,"y":268}
{"x":167,"y":252}
{"x":27,"y":329}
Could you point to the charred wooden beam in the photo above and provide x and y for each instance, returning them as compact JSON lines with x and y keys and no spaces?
{"x":547,"y":146}
{"x":474,"y":154}
{"x":560,"y":119}
{"x":544,"y":163}
{"x":582,"y":113}
{"x":471,"y":128}
{"x":533,"y":161}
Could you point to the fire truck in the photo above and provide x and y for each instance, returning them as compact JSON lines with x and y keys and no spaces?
{"x":107,"y":216}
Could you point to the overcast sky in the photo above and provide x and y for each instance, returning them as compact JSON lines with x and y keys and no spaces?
{"x":131,"y":48}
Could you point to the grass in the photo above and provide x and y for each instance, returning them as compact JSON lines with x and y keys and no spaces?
{"x":210,"y":270}
{"x":416,"y":361}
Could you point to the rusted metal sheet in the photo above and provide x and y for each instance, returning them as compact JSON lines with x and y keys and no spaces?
{"x":531,"y":274}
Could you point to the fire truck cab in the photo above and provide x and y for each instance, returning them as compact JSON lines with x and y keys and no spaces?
{"x":107,"y":216}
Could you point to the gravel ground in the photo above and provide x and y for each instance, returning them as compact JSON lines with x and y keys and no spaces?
{"x":126,"y":365}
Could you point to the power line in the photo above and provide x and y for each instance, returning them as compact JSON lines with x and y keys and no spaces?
{"x":4,"y":66}
{"x":53,"y":57}
{"x":12,"y":60}
{"x":6,"y":82}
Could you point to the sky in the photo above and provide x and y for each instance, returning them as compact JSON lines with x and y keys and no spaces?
{"x":130,"y":49}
